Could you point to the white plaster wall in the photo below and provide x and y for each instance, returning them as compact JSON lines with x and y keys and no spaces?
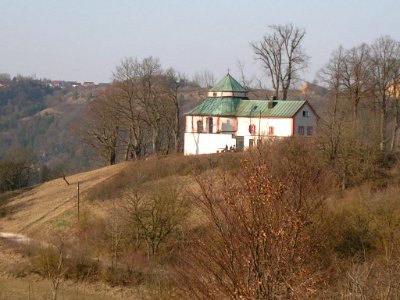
{"x":188,"y":124}
{"x":203,"y":143}
{"x":226,"y":94}
{"x":299,"y":120}
{"x":282,"y":127}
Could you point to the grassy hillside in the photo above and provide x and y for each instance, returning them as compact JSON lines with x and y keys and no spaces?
{"x":42,"y":207}
{"x":48,"y":213}
{"x":106,"y":254}
{"x":53,"y":205}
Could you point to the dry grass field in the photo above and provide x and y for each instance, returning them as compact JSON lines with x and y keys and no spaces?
{"x":37,"y":210}
{"x":46,"y":212}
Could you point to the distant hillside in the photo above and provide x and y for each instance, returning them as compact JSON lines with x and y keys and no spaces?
{"x":45,"y":121}
{"x":40,"y":119}
{"x":21,"y":98}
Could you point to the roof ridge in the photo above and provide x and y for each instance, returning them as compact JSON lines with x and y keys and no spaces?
{"x":238,"y":107}
{"x":228,"y":84}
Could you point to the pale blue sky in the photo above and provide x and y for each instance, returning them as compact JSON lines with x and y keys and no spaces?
{"x":84,"y":40}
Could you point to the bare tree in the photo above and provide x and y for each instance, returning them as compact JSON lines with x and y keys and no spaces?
{"x":149,"y":96}
{"x":341,"y":134}
{"x":102,"y":126}
{"x":52,"y":264}
{"x":116,"y":235}
{"x":395,"y":96}
{"x":282,"y":56}
{"x":139,"y":113}
{"x":385,"y":62}
{"x":127,"y":106}
{"x":205,"y":79}
{"x":173,"y":82}
{"x":246,"y":82}
{"x":157,"y":217}
{"x":355,"y":75}
{"x":255,"y":242}
{"x":148,"y":101}
{"x":331,"y":77}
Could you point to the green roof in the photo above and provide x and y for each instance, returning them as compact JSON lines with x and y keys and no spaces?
{"x":238,"y":107}
{"x":228,"y":84}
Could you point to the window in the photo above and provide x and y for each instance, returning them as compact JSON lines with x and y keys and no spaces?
{"x":251,"y":143}
{"x":306,"y":113}
{"x":309,"y":130}
{"x":200,"y":126}
{"x":270,"y":130}
{"x":214,"y":94}
{"x":300,"y":130}
{"x":210,"y":125}
{"x":227,"y":125}
{"x":240,"y":143}
{"x":252,"y":129}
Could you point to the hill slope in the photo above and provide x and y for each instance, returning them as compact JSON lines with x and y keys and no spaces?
{"x":34,"y":210}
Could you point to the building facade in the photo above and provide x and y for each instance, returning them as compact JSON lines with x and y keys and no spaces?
{"x":228,"y":119}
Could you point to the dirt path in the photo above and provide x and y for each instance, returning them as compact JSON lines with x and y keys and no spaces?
{"x":18,"y":238}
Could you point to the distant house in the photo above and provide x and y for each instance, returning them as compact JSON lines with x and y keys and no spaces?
{"x":55,"y":83}
{"x":228,"y":119}
{"x":4,"y":83}
{"x":88,"y":83}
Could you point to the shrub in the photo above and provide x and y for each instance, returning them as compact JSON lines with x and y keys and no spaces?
{"x":257,"y":243}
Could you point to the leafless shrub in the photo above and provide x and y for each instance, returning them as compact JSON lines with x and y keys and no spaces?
{"x":156,"y":217}
{"x":257,"y":244}
{"x":51,"y":262}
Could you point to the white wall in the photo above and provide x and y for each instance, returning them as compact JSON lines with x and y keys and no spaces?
{"x":203,"y":143}
{"x":282,"y":127}
{"x":226,"y":94}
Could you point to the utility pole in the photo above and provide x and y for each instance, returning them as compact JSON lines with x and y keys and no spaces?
{"x":259,"y":127}
{"x":78,"y":201}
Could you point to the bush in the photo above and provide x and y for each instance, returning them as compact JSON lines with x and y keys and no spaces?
{"x":258,"y":243}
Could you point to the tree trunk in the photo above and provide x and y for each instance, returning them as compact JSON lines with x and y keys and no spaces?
{"x":383,"y":141}
{"x":355,"y":109}
{"x":155,"y":142}
{"x":285,"y":93}
{"x":112,"y":157}
{"x":393,"y":143}
{"x":177,"y":130}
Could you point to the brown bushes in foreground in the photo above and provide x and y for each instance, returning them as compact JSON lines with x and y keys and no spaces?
{"x":258,"y":243}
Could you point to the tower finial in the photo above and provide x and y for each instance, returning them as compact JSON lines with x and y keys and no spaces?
{"x":228,"y":71}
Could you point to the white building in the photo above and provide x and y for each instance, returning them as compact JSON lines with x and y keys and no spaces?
{"x":228,"y":119}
